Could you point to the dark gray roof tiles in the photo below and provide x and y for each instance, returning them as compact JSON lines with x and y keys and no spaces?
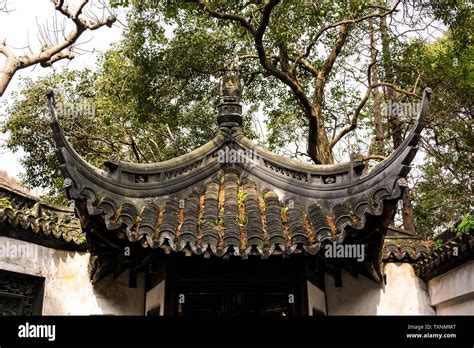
{"x":267,"y":204}
{"x":27,"y":213}
{"x":451,"y":254}
{"x":406,"y":249}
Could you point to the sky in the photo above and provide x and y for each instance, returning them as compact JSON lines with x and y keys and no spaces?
{"x":19,"y":29}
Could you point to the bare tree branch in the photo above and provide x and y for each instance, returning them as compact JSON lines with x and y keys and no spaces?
{"x":50,"y":53}
{"x":321,"y":31}
{"x":228,"y":16}
{"x":355,"y":116}
{"x":369,"y":157}
{"x":4,"y":7}
{"x":319,"y":147}
{"x":353,"y":125}
{"x":396,"y":88}
{"x":258,"y":34}
{"x":303,"y":63}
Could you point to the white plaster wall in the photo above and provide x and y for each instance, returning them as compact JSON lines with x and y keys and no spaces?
{"x":156,"y":298}
{"x":67,"y":287}
{"x":452,"y":284}
{"x":404,"y":294}
{"x":316,"y":298}
{"x":459,"y":306}
{"x":453,"y":292}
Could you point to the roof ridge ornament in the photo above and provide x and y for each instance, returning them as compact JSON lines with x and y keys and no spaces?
{"x":230,"y":110}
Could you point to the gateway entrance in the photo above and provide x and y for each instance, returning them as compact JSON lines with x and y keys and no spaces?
{"x":209,"y":288}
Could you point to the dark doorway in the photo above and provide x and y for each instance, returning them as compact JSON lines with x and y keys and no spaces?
{"x":20,"y":294}
{"x":207,"y":288}
{"x":236,"y":302}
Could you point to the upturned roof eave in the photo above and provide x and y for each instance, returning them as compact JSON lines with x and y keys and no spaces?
{"x":149,"y":180}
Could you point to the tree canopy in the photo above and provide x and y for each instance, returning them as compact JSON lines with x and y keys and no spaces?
{"x":318,"y":76}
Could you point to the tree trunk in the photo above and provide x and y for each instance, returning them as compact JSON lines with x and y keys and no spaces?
{"x":377,"y":143}
{"x":318,"y":142}
{"x":378,"y":140}
{"x":395,"y":123}
{"x":7,"y":75}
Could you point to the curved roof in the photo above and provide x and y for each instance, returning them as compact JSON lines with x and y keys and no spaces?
{"x":232,"y":196}
{"x":26,"y":212}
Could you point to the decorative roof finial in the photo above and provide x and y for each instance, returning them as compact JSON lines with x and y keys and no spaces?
{"x":230,"y":110}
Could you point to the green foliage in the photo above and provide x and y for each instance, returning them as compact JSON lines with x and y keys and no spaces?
{"x":4,"y":203}
{"x":124,"y":121}
{"x":81,"y":239}
{"x":181,"y":43}
{"x":241,"y":195}
{"x":459,"y":16}
{"x":155,"y":94}
{"x":442,"y":193}
{"x":438,"y":245}
{"x":466,"y":225}
{"x":29,"y":129}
